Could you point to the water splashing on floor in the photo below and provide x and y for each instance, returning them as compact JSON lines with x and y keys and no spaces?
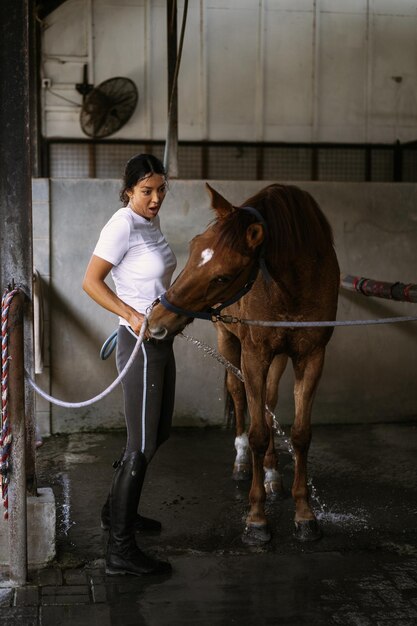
{"x":322,"y":511}
{"x":236,"y":371}
{"x":64,"y":511}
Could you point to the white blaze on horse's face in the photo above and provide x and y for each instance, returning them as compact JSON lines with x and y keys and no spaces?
{"x":206,"y":256}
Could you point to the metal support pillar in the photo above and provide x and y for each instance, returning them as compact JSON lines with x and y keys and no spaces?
{"x":35,"y":104}
{"x":16,"y":264}
{"x":171,"y":148}
{"x":397,"y":174}
{"x":15,"y":166}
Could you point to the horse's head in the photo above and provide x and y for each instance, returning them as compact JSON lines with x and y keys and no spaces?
{"x":220,"y":263}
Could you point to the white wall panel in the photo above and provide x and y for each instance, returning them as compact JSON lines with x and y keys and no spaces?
{"x":345,"y":6}
{"x":395,"y":7}
{"x":158,"y":67}
{"x":342,"y":77}
{"x":289,"y":70}
{"x":120,"y":50}
{"x":288,"y":6}
{"x":394,"y":85}
{"x":232,"y":40}
{"x":66,"y":48}
{"x":66,"y":30}
{"x":192,"y":108}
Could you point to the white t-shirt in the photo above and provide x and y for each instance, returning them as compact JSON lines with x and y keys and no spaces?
{"x":143,"y":262}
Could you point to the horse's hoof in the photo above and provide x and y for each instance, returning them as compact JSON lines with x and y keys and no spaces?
{"x":242,"y":472}
{"x":307,"y":530}
{"x":256,"y":534}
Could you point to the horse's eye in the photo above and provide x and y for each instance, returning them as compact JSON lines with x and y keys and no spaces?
{"x":222,"y":279}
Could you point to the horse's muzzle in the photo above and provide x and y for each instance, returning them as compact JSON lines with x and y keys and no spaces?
{"x":158,"y":333}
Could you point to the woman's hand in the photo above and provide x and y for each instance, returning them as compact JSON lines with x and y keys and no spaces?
{"x":135,"y":320}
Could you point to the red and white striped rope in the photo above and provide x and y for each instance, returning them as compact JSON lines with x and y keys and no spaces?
{"x":5,"y":433}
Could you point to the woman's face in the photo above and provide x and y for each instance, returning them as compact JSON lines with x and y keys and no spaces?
{"x":146,"y":197}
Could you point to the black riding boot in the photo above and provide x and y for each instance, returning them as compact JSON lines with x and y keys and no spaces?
{"x":142,"y":524}
{"x":123,"y":555}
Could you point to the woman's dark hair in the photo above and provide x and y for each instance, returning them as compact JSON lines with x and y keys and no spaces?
{"x":137,"y":168}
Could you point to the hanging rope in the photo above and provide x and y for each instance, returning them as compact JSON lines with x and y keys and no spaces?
{"x":6,"y":433}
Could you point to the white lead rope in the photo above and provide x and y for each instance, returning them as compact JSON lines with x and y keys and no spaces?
{"x":100,"y":396}
{"x":286,"y":324}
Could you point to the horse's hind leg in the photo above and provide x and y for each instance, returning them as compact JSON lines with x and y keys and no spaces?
{"x":273,"y":479}
{"x":229,"y":347}
{"x":307,"y":375}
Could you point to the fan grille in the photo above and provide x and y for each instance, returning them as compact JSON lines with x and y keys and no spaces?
{"x":108,"y":107}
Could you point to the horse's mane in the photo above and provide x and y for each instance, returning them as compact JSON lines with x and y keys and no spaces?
{"x":296,"y":225}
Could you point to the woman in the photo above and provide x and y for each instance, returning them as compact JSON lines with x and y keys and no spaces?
{"x":132,"y":247}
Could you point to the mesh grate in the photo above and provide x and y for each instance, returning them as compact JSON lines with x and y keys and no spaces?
{"x":239,"y":162}
{"x":409,"y":165}
{"x":341,"y":164}
{"x":232,"y":162}
{"x":111,"y":163}
{"x":282,"y":163}
{"x":68,"y":161}
{"x":382,"y":165}
{"x":190,"y":161}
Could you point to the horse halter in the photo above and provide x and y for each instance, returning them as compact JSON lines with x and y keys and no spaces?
{"x":213,"y":314}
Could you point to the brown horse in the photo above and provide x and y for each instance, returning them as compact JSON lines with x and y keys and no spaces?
{"x":282,"y":231}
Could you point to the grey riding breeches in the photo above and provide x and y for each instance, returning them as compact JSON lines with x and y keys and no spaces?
{"x":148,"y":391}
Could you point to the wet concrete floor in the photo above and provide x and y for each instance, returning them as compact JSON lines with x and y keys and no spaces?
{"x":362,"y":572}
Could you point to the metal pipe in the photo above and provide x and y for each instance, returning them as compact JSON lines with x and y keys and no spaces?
{"x":35,"y":104}
{"x":171,"y":147}
{"x":379,"y":289}
{"x":174,"y":62}
{"x":16,"y":408}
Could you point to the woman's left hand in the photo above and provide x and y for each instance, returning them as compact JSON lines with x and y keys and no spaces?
{"x":135,"y":322}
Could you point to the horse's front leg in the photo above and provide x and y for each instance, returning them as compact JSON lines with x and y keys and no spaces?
{"x":307,"y":375}
{"x":255,"y":372}
{"x":229,"y":347}
{"x":273,"y":480}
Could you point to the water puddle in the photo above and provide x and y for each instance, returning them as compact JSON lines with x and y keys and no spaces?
{"x":71,"y":458}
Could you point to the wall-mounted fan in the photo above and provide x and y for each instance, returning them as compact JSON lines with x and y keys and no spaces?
{"x":107,"y":107}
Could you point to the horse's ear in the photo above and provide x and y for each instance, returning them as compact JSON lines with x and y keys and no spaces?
{"x":254,"y":235}
{"x":218,"y":203}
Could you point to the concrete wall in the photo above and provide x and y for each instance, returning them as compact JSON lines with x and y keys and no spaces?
{"x":370,"y":371}
{"x":287,"y":70}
